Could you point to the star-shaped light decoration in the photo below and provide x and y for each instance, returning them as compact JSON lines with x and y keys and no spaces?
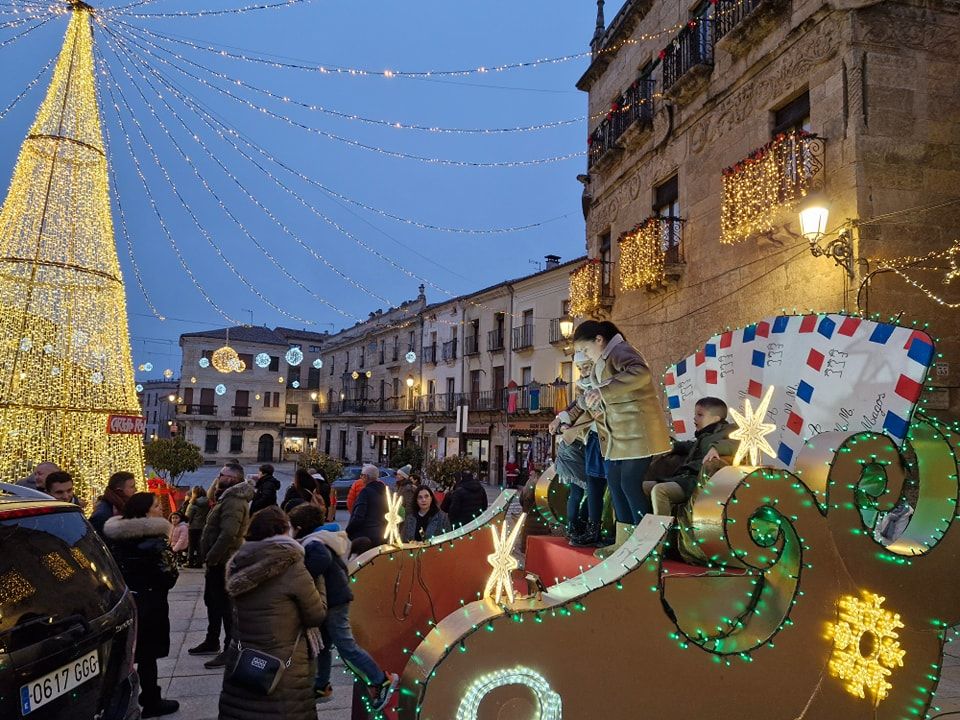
{"x":752,"y":431}
{"x":394,"y":517}
{"x":502,"y":561}
{"x":865,"y":646}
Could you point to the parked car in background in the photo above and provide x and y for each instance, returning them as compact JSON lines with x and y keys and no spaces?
{"x":349,"y":475}
{"x":67,"y":620}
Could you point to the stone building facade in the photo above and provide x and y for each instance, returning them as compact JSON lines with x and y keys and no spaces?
{"x":158,"y":408}
{"x":678,"y":94}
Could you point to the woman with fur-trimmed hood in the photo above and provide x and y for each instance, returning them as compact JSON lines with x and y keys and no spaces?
{"x":277,"y":607}
{"x":138,"y":541}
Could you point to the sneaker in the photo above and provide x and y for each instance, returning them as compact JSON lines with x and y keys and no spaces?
{"x":162,"y":707}
{"x":205,"y":648}
{"x":384,"y":691}
{"x":216,"y":662}
{"x":322,"y":695}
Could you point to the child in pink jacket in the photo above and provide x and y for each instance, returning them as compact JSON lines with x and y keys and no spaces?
{"x":179,"y":537}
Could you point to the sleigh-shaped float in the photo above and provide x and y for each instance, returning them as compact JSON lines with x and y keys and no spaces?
{"x":799,"y":610}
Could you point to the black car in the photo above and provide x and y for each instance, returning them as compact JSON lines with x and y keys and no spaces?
{"x":67,"y":620}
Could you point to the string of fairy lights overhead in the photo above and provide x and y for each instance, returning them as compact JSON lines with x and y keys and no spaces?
{"x":140,"y":68}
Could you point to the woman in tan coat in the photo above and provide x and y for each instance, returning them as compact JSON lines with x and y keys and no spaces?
{"x":631,"y":424}
{"x":276,"y":602}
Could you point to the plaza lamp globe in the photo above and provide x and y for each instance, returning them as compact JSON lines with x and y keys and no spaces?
{"x":814,"y":214}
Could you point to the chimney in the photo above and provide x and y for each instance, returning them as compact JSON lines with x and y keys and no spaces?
{"x":552,"y":261}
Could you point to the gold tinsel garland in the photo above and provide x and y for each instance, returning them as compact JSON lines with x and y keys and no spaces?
{"x":585,"y":284}
{"x":758,"y":185}
{"x":641,"y":255}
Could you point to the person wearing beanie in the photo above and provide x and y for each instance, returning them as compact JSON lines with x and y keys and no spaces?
{"x":407,"y":489}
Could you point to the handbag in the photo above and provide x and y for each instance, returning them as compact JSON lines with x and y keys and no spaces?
{"x":256,"y":671}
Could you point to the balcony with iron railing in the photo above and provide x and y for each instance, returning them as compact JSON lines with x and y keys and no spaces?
{"x":740,"y":21}
{"x":495,"y":340}
{"x":430,"y":354}
{"x":240,"y":410}
{"x":450,"y":350}
{"x":556,"y":335}
{"x":690,"y":49}
{"x":630,"y":111}
{"x":197,"y":409}
{"x":523,"y":337}
{"x":471,"y":345}
{"x":650,"y":253}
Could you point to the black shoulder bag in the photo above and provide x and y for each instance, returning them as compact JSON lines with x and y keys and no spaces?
{"x":258,"y":672}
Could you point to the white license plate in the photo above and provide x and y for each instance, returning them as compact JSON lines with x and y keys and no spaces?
{"x":39,"y":692}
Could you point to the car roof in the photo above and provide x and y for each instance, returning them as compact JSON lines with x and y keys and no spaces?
{"x":10,"y":492}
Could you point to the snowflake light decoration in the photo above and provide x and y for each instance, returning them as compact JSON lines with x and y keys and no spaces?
{"x":262,"y":360}
{"x":865,"y":646}
{"x":294,"y":356}
{"x":394,"y":517}
{"x":502,"y":561}
{"x":318,"y":363}
{"x":752,"y":431}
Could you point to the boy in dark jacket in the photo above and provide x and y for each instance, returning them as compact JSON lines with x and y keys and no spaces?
{"x":324,"y":554}
{"x":267,"y":488}
{"x":711,"y":440}
{"x":467,"y":500}
{"x":368,"y":518}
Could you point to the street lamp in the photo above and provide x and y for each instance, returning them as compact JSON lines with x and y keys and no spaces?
{"x":410,"y":381}
{"x":566,"y":327}
{"x":814,"y":214}
{"x":171,"y":398}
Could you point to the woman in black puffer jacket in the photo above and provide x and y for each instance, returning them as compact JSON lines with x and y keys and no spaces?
{"x":138,"y":541}
{"x":466,"y":501}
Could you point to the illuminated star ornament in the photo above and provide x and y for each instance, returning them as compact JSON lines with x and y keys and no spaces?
{"x":865,"y":646}
{"x":502,"y":561}
{"x":752,"y":431}
{"x":394,"y":517}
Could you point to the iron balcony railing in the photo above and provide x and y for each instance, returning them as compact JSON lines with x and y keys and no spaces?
{"x":633,"y":106}
{"x":523,"y":337}
{"x":450,"y":350}
{"x":200,"y":409}
{"x":730,"y":13}
{"x":671,"y":239}
{"x":471,"y":345}
{"x":691,"y":47}
{"x":495,"y":340}
{"x":241,"y":410}
{"x":430,"y":354}
{"x":556,"y":337}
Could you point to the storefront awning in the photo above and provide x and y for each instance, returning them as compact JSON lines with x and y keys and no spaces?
{"x":429,"y":428}
{"x":387,"y":429}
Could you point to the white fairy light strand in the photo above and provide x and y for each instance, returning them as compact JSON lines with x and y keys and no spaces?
{"x":246,"y":192}
{"x":370,"y":208}
{"x":153,"y":204}
{"x":216,"y":125}
{"x":201,"y":13}
{"x":30,"y":85}
{"x":349,"y":141}
{"x":196,"y":221}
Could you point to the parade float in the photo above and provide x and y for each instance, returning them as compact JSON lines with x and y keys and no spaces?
{"x":799,"y":609}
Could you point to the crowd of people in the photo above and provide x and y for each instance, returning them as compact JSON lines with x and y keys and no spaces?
{"x":275,"y":573}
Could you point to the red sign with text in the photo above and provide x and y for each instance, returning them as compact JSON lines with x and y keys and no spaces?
{"x":126,"y":425}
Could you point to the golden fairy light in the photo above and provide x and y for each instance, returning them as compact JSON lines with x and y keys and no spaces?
{"x":585,"y":288}
{"x":65,"y":362}
{"x":865,"y":646}
{"x":502,"y":561}
{"x":394,"y":517}
{"x":752,"y":431}
{"x":641,"y":256}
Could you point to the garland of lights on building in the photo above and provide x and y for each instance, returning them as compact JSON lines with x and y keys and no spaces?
{"x":641,"y":256}
{"x":585,"y":288}
{"x":771,"y":178}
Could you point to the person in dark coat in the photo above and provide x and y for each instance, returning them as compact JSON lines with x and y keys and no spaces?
{"x":267,"y":488}
{"x":325,"y":555}
{"x":711,"y":440}
{"x":138,"y":541}
{"x":120,"y":487}
{"x":466,"y":501}
{"x":406,"y":488}
{"x":427,"y":520}
{"x":196,"y":514}
{"x":368,"y":518}
{"x":301,"y":490}
{"x":278,"y":609}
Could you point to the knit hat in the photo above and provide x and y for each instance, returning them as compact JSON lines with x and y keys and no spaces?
{"x":405,"y":470}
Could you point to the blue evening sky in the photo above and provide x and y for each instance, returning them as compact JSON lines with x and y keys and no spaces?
{"x":413,"y":35}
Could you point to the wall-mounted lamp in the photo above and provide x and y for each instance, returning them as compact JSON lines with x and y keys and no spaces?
{"x":410,"y":381}
{"x":566,"y":327}
{"x":814,"y":213}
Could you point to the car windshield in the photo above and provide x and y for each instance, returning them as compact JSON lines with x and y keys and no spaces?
{"x":350,"y":473}
{"x":54,"y":568}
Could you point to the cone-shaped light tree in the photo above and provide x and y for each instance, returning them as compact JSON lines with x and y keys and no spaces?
{"x":65,"y":363}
